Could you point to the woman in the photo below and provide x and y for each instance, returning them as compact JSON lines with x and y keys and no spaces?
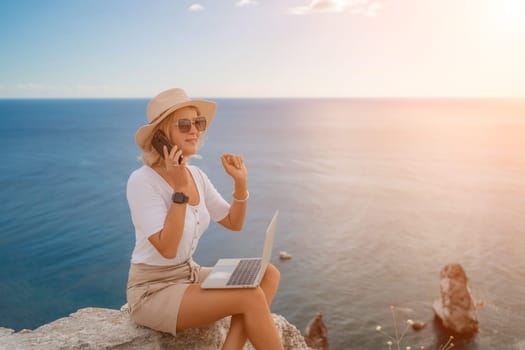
{"x":171,"y":204}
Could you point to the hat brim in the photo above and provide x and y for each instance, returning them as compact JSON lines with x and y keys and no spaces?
{"x":206,"y":109}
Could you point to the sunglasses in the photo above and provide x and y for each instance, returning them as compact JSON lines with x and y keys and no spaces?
{"x":185,"y":124}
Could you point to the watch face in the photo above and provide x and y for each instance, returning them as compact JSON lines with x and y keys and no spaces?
{"x":179,"y":197}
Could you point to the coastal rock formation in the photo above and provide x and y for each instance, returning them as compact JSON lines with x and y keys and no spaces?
{"x":97,"y":328}
{"x":316,"y":333}
{"x":284,"y":255}
{"x":418,"y":325}
{"x":5,"y":331}
{"x":455,"y":307}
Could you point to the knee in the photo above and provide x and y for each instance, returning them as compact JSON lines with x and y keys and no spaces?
{"x":272,"y":275}
{"x":252,"y":297}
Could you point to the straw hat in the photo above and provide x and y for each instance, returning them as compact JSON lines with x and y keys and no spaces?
{"x":163,"y":105}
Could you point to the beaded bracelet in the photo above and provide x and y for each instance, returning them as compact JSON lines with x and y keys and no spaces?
{"x":241,"y":200}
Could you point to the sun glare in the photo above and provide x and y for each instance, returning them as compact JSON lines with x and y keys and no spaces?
{"x":513,"y":8}
{"x":508,"y":15}
{"x":510,"y":11}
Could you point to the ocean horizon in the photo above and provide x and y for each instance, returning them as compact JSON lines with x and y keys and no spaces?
{"x":375,"y":196}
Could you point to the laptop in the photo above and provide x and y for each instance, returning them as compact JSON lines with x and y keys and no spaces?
{"x":243,"y":272}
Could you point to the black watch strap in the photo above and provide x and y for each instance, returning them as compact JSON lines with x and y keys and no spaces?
{"x":179,"y":197}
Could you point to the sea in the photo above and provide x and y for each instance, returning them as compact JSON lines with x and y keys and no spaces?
{"x":375,"y":197}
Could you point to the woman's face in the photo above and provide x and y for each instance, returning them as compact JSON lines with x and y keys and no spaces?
{"x":189,"y":141}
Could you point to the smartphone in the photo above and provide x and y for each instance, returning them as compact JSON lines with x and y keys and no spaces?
{"x":159,"y":140}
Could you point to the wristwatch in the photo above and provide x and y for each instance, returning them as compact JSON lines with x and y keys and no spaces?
{"x":180,"y":197}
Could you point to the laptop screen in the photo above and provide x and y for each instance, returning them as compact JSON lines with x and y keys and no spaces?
{"x":268,"y":241}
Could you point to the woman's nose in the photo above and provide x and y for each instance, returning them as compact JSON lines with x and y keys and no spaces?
{"x":193,"y":128}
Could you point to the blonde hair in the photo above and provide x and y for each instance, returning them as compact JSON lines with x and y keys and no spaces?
{"x":149,"y":155}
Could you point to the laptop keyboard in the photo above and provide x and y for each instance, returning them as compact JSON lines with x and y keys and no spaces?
{"x":245,"y":272}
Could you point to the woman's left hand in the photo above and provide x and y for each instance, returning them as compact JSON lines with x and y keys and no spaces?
{"x":234,"y":166}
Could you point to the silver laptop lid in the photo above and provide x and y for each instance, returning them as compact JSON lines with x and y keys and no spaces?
{"x":268,"y":241}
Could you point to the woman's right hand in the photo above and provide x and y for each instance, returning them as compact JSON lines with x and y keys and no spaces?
{"x":176,"y":172}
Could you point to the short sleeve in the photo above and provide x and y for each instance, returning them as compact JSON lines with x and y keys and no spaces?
{"x":148,"y":210}
{"x":215,"y":203}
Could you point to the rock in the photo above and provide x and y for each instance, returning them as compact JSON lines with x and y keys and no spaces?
{"x":455,"y":307}
{"x":418,"y":325}
{"x":283,"y":255}
{"x":6,"y":331}
{"x":316,"y":333}
{"x":125,"y":308}
{"x":97,"y":328}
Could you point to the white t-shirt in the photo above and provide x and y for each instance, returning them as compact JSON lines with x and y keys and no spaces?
{"x":149,"y":199}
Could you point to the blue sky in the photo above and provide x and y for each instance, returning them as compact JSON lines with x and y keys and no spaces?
{"x":246,"y":48}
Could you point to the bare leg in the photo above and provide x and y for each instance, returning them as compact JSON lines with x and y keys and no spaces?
{"x":237,"y":334}
{"x":201,"y":307}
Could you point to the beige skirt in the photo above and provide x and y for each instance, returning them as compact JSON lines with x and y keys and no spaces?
{"x":154,"y":293}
